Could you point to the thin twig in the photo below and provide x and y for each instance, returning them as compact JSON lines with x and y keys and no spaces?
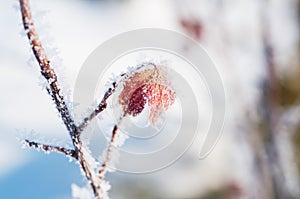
{"x":46,"y":70}
{"x":113,"y":139}
{"x":101,"y":106}
{"x":89,"y":173}
{"x":50,"y":148}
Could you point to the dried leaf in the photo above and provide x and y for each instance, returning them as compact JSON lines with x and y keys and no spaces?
{"x":150,"y":85}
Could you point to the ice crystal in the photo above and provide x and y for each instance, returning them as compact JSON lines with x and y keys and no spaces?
{"x":105,"y":188}
{"x":81,"y":192}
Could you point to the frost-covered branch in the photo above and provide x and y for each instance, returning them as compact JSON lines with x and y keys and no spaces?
{"x":108,"y":156}
{"x":47,"y":71}
{"x":89,"y":170}
{"x":49,"y":148}
{"x":101,"y":106}
{"x":54,"y":90}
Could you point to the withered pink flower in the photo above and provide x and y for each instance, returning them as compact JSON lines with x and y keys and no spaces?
{"x":148,"y":86}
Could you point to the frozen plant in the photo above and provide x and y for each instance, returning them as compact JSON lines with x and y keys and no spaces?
{"x":146,"y":83}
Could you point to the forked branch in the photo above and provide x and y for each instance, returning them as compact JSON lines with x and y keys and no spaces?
{"x":139,"y":86}
{"x":57,"y":96}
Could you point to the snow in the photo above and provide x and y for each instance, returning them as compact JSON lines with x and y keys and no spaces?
{"x":105,"y":185}
{"x":81,"y":192}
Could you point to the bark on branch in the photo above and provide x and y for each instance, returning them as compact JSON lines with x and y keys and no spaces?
{"x":50,"y":148}
{"x":54,"y":90}
{"x":49,"y":74}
